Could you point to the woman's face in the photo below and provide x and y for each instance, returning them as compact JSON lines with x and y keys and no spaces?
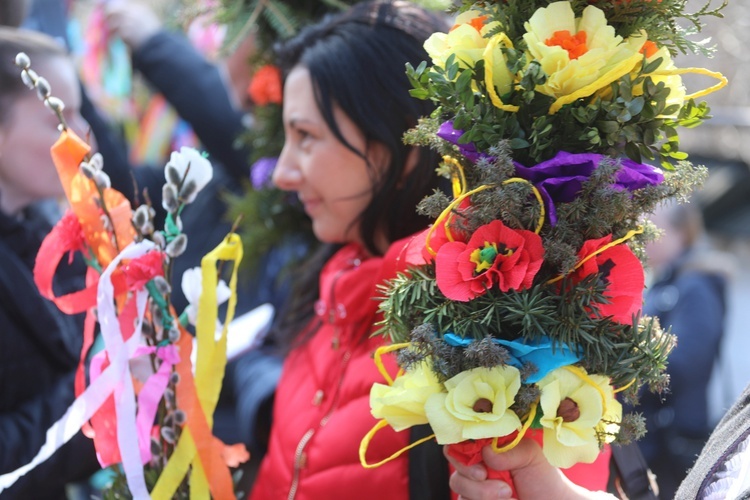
{"x":332,"y":182}
{"x":27,"y":173}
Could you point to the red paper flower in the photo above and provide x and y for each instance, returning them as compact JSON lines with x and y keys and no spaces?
{"x":621,"y":270}
{"x":265,"y":87}
{"x":496,"y":255}
{"x":70,"y":234}
{"x":140,"y":271}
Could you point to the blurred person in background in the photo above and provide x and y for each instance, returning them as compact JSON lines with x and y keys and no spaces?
{"x":687,"y":293}
{"x":39,"y":345}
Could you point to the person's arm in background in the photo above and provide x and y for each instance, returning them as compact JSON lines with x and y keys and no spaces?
{"x":191,"y":84}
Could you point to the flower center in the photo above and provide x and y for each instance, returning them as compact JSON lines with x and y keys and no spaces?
{"x":477,"y":23}
{"x":568,"y":410}
{"x":574,"y":44}
{"x":649,"y":48}
{"x":482,"y":405}
{"x":484,"y":257}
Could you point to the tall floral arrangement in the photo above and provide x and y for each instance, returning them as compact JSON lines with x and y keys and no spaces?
{"x":520,"y":312}
{"x":147,"y":405}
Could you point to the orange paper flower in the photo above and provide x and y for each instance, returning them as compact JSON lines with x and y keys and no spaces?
{"x":265,"y":87}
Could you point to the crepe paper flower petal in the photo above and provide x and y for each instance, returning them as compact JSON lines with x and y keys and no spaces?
{"x":140,"y":271}
{"x":402,"y":404}
{"x":192,"y":288}
{"x":623,"y":273}
{"x":476,"y":406}
{"x":496,"y":255}
{"x":451,"y":134}
{"x":561,"y":178}
{"x":573,"y":408}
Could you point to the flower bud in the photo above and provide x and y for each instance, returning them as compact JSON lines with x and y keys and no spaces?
{"x":97,"y":161}
{"x":141,"y":216}
{"x":168,"y":435}
{"x":22,"y":60}
{"x":43,"y":88}
{"x":174,"y":335}
{"x":54,"y":104}
{"x":162,"y":285}
{"x":188,"y":191}
{"x":177,"y":246}
{"x":158,"y":239}
{"x":102,"y":180}
{"x":86,"y":170}
{"x":155,"y":447}
{"x":180,"y":417}
{"x":172,"y":174}
{"x":28,"y":77}
{"x":174,"y":379}
{"x":169,"y":198}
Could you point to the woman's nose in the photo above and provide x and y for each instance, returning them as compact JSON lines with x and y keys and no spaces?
{"x":287,"y":175}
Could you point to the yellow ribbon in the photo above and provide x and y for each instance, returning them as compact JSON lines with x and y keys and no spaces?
{"x":209,"y":372}
{"x":458,"y":177}
{"x":696,"y":71}
{"x":521,"y":433}
{"x":609,"y":245}
{"x":624,"y":386}
{"x":366,"y":443}
{"x":489,"y":61}
{"x":444,"y":216}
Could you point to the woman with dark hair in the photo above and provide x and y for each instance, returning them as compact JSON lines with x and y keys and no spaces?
{"x":346,"y":109}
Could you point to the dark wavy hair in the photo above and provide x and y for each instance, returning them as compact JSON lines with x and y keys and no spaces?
{"x":356,"y":61}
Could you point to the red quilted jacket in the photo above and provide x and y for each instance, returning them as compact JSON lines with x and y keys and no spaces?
{"x":322,"y":411}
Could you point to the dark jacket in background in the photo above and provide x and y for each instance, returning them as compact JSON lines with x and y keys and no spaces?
{"x":39,"y":350}
{"x":691,"y":300}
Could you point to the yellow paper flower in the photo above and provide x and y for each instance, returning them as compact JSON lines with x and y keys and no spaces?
{"x":476,"y":405}
{"x":576,"y":408}
{"x":467,"y":41}
{"x":580,"y":56}
{"x":402,"y":404}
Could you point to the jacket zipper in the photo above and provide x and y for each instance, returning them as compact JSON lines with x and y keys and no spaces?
{"x":335,"y":343}
{"x":299,"y":452}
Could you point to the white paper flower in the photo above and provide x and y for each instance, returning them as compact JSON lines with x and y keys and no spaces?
{"x":192,"y":287}
{"x":199,"y":172}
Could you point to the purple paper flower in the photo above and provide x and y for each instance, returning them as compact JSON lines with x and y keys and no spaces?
{"x":561,"y":178}
{"x":261,"y":172}
{"x":450,"y":134}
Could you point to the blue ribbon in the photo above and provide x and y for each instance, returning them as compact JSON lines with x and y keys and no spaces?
{"x":539,"y":352}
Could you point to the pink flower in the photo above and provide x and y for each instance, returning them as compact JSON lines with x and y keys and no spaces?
{"x":496,"y":255}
